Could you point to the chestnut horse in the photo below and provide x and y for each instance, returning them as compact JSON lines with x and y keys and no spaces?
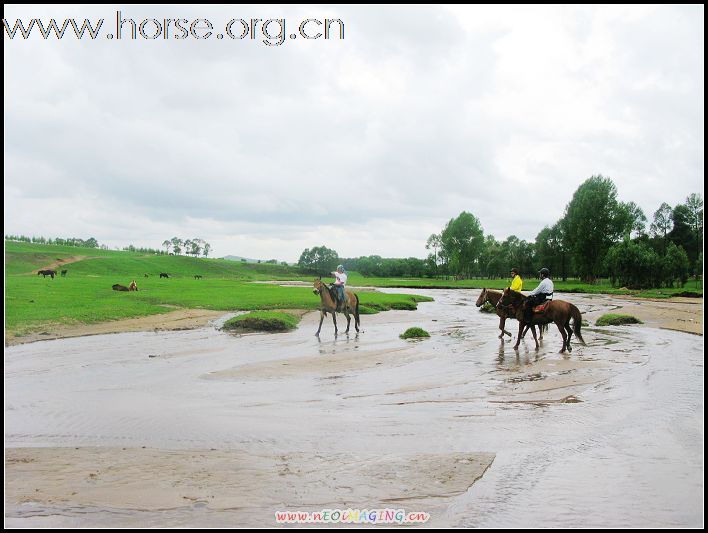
{"x":133,"y":286}
{"x":492,"y":296}
{"x":556,"y":311}
{"x":328,"y":304}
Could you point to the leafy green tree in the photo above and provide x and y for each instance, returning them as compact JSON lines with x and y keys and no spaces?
{"x":176,"y":245}
{"x":633,"y":265}
{"x":462,"y":241}
{"x":662,"y":224}
{"x":676,"y":265}
{"x":637,"y":217}
{"x":319,"y":259}
{"x":594,"y":220}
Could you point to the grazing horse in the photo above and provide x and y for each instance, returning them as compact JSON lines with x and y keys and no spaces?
{"x":147,"y":275}
{"x":164,"y":275}
{"x":492,"y":296}
{"x":63,"y":273}
{"x":328,"y":304}
{"x":47,"y":272}
{"x":556,"y":311}
{"x":197,"y":276}
{"x":118,"y":287}
{"x":133,"y":286}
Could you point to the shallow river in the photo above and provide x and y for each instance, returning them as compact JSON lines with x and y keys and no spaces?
{"x":107,"y":430}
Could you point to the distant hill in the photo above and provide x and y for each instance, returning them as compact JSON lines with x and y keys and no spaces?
{"x":248,"y":259}
{"x":239,"y":258}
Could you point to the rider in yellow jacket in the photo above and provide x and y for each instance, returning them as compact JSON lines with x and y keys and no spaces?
{"x":516,"y":282}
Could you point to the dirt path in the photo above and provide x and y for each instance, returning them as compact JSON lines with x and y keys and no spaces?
{"x":59,"y":263}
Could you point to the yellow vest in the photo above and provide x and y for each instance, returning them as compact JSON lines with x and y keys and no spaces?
{"x":517,"y":283}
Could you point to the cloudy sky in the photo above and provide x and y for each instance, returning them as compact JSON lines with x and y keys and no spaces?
{"x":366,"y":144}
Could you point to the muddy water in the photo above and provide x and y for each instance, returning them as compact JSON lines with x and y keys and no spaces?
{"x":205,"y":428}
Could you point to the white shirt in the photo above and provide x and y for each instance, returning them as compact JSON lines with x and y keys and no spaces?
{"x":341,"y":278}
{"x":546,"y":287}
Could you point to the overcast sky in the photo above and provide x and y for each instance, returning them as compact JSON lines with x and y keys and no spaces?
{"x":366,"y":144}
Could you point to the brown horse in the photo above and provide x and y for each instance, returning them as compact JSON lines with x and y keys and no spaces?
{"x":47,"y":272}
{"x":133,"y":286}
{"x":328,"y":304}
{"x":556,"y":311}
{"x":492,"y":296}
{"x":119,"y":287}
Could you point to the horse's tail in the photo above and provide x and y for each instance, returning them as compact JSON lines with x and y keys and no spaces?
{"x":577,"y":323}
{"x":356,"y":310}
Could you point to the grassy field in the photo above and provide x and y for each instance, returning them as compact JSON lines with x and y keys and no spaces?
{"x":572,"y":285}
{"x":85,"y":294}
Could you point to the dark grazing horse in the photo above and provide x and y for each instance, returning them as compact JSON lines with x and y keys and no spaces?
{"x":328,"y":304}
{"x":197,"y":276}
{"x":557,"y":311}
{"x":164,"y":275}
{"x":63,"y":273}
{"x":119,"y":287}
{"x":47,"y":272}
{"x":492,"y":296}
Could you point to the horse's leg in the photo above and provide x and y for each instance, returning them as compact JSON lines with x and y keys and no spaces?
{"x":518,"y":337}
{"x":502,"y":325}
{"x":533,"y":332}
{"x":346,"y":314}
{"x":570,"y":333}
{"x":562,"y":331}
{"x":334,"y":319}
{"x":322,"y":315}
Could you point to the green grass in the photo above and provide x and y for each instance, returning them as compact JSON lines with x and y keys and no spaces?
{"x":85,"y":296}
{"x":691,"y":288}
{"x":414,"y":333}
{"x":263,"y":321}
{"x":612,"y":319}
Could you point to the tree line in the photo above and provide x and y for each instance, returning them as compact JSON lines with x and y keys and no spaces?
{"x":597,"y":237}
{"x":193,"y":247}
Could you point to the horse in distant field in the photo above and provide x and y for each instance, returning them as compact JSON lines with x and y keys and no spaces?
{"x":164,"y":275}
{"x":133,"y":286}
{"x":557,"y":311}
{"x":119,"y":287}
{"x":492,"y":296}
{"x":328,"y":304}
{"x":63,"y":273}
{"x":47,"y":272}
{"x":147,"y":275}
{"x":197,"y":276}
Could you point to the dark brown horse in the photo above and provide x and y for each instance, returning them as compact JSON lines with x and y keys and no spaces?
{"x":492,"y":296}
{"x":556,"y":311}
{"x":119,"y":287}
{"x":328,"y":304}
{"x":47,"y":272}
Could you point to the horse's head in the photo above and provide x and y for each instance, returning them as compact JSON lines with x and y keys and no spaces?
{"x":506,"y":298}
{"x":318,"y":286}
{"x":482,"y":298}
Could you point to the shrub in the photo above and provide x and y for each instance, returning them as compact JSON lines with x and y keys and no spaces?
{"x":617,"y":320}
{"x":414,"y":333}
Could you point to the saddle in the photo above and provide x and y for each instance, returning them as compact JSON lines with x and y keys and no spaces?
{"x":541,"y":308}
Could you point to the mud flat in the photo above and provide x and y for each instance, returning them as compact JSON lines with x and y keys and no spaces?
{"x":202,"y":428}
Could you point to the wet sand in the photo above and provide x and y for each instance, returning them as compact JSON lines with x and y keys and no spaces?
{"x":201,"y":428}
{"x":179,"y":319}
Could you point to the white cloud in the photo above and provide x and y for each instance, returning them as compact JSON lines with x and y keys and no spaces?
{"x":371,"y":143}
